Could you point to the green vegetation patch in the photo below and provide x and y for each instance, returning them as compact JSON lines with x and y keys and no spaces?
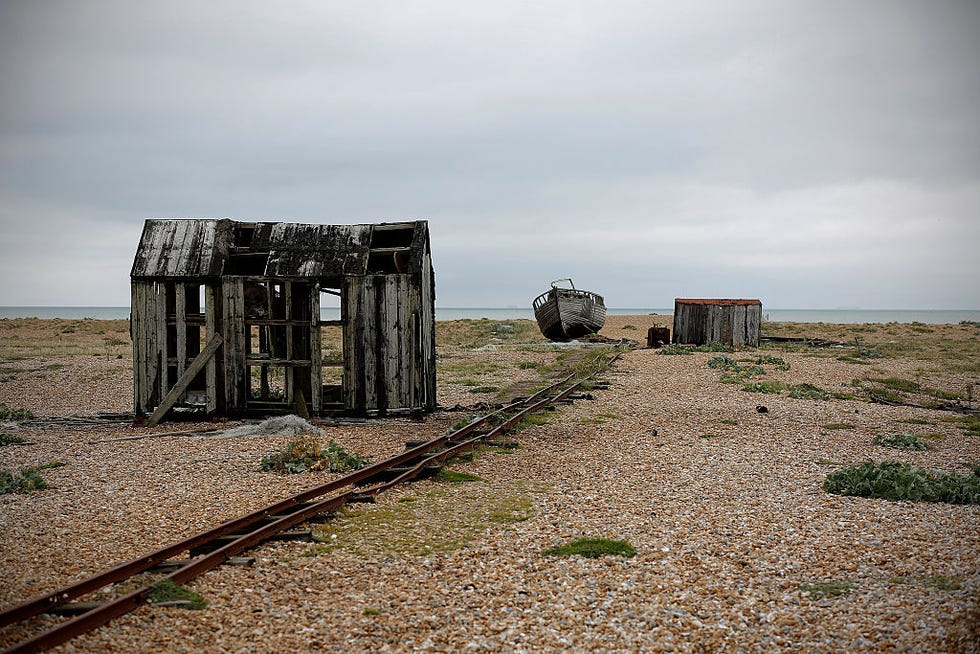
{"x":898,"y":384}
{"x":456,"y":477}
{"x":938,"y":582}
{"x":838,"y":425}
{"x":969,"y":424}
{"x":714,"y":346}
{"x":167,"y":591}
{"x":11,"y":439}
{"x":823,"y":589}
{"x":894,"y":480}
{"x":769,"y":360}
{"x":443,"y":518}
{"x":593,"y":548}
{"x":17,"y":415}
{"x":854,"y":360}
{"x":906,"y":441}
{"x":675,"y":349}
{"x":808,"y":392}
{"x":26,"y":480}
{"x":531,"y":420}
{"x":766,"y":386}
{"x":306,"y":454}
{"x":722,"y":361}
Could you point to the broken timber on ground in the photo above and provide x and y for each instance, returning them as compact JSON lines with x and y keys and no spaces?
{"x":252,"y":291}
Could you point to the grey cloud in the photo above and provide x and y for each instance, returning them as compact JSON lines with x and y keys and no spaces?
{"x":646,"y":138}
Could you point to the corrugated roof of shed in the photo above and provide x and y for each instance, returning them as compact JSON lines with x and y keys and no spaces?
{"x":180,"y":248}
{"x":198,"y":248}
{"x":317,"y":251}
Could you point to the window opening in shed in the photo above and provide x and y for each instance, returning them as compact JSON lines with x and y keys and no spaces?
{"x":390,"y":249}
{"x":267,"y":385}
{"x":332,"y":352}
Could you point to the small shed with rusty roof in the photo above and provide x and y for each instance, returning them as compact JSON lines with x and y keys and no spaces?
{"x":731,"y":322}
{"x":226,"y":318}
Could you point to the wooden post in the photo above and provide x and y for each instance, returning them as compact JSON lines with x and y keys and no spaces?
{"x":195,"y":367}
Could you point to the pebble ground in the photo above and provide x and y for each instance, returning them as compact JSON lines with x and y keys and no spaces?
{"x":723,"y":505}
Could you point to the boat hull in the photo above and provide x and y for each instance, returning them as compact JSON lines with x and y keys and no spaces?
{"x":566,"y":314}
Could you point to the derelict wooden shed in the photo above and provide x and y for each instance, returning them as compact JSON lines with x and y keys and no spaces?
{"x":226,"y":318}
{"x":732,"y":322}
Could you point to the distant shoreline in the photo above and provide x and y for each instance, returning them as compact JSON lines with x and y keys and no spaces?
{"x":834,"y":316}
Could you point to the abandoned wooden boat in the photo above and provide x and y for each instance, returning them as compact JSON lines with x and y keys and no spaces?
{"x":564,"y":314}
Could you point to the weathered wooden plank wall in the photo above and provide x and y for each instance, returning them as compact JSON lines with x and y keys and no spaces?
{"x":427,"y":336}
{"x":316,"y":354}
{"x":732,"y":322}
{"x":387,"y":352}
{"x":148,"y":330}
{"x":211,"y":293}
{"x":234,"y":349}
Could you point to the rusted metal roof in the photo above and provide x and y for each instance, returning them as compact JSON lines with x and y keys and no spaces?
{"x":718,"y":302}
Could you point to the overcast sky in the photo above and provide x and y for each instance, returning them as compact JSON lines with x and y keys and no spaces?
{"x":814,"y":154}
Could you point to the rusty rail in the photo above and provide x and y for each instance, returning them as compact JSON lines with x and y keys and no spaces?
{"x":277,"y":517}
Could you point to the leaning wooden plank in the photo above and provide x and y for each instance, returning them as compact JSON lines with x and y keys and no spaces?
{"x":195,"y":367}
{"x":184,"y":432}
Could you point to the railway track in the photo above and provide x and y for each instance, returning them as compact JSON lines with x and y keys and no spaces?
{"x":223,"y":543}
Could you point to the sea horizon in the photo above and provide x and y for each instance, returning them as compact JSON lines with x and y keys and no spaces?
{"x":836,"y":316}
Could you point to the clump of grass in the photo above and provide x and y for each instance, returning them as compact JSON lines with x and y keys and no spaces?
{"x":167,"y":591}
{"x":969,"y":424}
{"x":916,"y":421}
{"x":886,"y":394}
{"x":854,"y":360}
{"x":906,"y":441}
{"x":768,"y":387}
{"x":11,"y":439}
{"x":629,"y":327}
{"x":838,"y":425}
{"x":17,"y":415}
{"x":939,"y":582}
{"x":370,"y":612}
{"x":898,"y":384}
{"x":776,"y":362}
{"x":593,"y":548}
{"x":26,"y":480}
{"x":823,"y":589}
{"x":675,"y":349}
{"x":865,"y":352}
{"x":306,"y":454}
{"x":894,"y":480}
{"x":527,"y":365}
{"x":808,"y":392}
{"x":939,"y":394}
{"x":484,"y":389}
{"x":531,"y":420}
{"x":456,"y":477}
